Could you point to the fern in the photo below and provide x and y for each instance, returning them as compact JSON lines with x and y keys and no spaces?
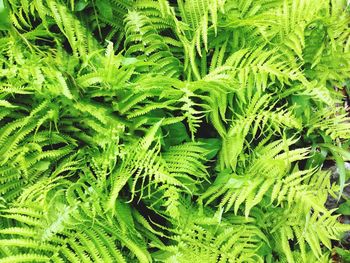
{"x":172,"y":131}
{"x":141,"y":37}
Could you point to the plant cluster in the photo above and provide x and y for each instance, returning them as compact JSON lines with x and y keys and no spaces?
{"x":171,"y":131}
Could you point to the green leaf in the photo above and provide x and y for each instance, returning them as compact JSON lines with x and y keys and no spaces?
{"x":213,"y":145}
{"x":175,"y":134}
{"x":344,"y":208}
{"x":105,"y":9}
{"x":345,"y":254}
{"x":42,"y":165}
{"x":5,"y":23}
{"x":339,"y":155}
{"x":302,"y":109}
{"x":317,"y":158}
{"x":6,"y":104}
{"x":80,"y":5}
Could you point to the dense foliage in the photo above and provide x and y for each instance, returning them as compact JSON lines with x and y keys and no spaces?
{"x":171,"y":131}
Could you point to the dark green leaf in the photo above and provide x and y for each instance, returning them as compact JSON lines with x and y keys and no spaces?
{"x":175,"y":134}
{"x":344,"y":208}
{"x":213,"y":145}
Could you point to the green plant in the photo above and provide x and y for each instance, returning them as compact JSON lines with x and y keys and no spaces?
{"x":171,"y":131}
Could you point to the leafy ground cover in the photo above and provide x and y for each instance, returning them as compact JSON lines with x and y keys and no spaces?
{"x":174,"y":131}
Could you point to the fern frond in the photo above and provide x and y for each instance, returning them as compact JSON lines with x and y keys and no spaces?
{"x":25,"y":258}
{"x":250,"y":186}
{"x":141,"y":37}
